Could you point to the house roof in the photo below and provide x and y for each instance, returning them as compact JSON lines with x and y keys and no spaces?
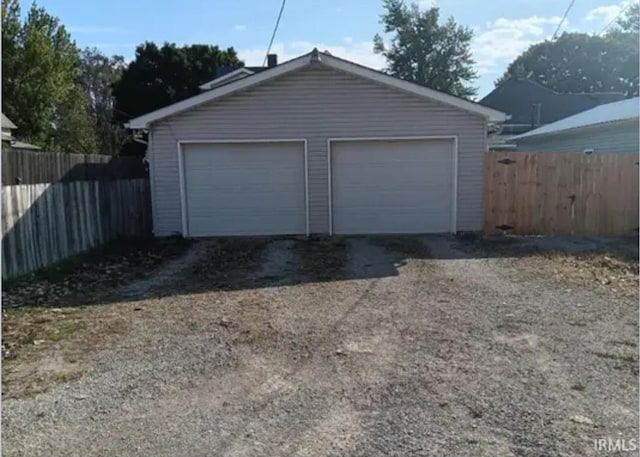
{"x":7,"y":124}
{"x":227,"y":74}
{"x":517,"y":98}
{"x":316,"y":58}
{"x":611,"y":112}
{"x":22,"y":145}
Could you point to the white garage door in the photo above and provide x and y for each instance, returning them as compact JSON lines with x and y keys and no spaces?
{"x":244,"y":188}
{"x":400,"y":186}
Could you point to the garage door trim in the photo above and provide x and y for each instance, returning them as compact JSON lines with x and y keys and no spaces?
{"x":181,"y":171}
{"x":454,"y":190}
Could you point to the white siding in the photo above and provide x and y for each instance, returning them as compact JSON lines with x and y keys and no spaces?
{"x":621,"y":137}
{"x":318,"y":103}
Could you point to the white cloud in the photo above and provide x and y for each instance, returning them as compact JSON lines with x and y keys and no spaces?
{"x":505,"y":39}
{"x":603,"y":13}
{"x":359,"y":52}
{"x":239,"y":27}
{"x":494,"y":46}
{"x":531,"y":25}
{"x":607,"y":13}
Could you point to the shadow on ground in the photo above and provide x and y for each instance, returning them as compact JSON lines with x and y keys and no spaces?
{"x":137,"y":270}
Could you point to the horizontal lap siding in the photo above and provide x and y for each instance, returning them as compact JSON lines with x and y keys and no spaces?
{"x":316,"y":104}
{"x":622,"y":138}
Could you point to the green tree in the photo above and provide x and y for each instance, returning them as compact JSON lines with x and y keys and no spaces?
{"x":39,"y":77}
{"x":630,"y":22}
{"x":74,"y":129}
{"x":11,"y":28}
{"x":424,"y":51}
{"x":98,"y":74}
{"x":580,"y":62}
{"x":160,"y":76}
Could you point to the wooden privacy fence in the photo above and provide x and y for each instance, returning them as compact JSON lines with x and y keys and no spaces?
{"x":45,"y":223}
{"x":561,"y":193}
{"x":21,"y":166}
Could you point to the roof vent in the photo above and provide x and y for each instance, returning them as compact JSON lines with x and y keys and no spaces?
{"x":272,"y":60}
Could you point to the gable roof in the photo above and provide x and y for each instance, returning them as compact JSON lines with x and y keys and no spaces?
{"x":6,"y":123}
{"x":316,"y":58}
{"x":517,"y":98}
{"x":611,"y":112}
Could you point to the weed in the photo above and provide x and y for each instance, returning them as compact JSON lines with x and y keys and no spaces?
{"x":578,"y":386}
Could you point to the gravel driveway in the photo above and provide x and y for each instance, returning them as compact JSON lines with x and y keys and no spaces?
{"x":359,"y":347}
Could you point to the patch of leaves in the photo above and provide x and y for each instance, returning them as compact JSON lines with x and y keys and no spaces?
{"x":323,"y":259}
{"x":603,"y":270}
{"x":83,"y":278}
{"x":603,"y":263}
{"x":228,"y":263}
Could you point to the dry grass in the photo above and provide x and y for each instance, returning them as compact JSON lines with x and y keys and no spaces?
{"x":618,"y":274}
{"x":57,"y":319}
{"x":601,"y":263}
{"x":46,"y":346}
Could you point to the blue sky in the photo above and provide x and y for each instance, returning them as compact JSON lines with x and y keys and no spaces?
{"x":503,"y":28}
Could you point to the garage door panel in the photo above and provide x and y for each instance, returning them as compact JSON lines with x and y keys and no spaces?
{"x":239,"y":224}
{"x":396,"y":202}
{"x":392,"y":186}
{"x":245,"y":189}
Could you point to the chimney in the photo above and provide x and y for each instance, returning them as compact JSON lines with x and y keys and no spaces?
{"x":272,"y":60}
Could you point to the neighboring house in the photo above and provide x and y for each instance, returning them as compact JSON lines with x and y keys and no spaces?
{"x":7,"y":135}
{"x":7,"y":127}
{"x":531,"y":105}
{"x":228,"y":74}
{"x":610,"y":128}
{"x":317,"y":145}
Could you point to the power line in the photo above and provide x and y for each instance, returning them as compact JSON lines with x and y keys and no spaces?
{"x":553,"y":37}
{"x":275,"y":29}
{"x":616,"y":18}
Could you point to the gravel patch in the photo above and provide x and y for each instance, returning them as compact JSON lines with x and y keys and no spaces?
{"x":358,"y":346}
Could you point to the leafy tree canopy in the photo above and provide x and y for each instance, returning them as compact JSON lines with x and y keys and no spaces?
{"x":424,"y":51}
{"x":159,"y":76}
{"x":98,"y":73}
{"x":39,"y":69}
{"x":579,"y":62}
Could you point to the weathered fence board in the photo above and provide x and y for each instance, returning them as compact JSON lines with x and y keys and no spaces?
{"x":561,"y":193}
{"x":21,"y":166}
{"x":45,"y":223}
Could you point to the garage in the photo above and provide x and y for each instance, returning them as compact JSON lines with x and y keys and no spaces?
{"x":317,"y":145}
{"x":244,"y":188}
{"x":393,"y":186}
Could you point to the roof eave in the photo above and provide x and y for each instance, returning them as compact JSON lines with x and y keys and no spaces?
{"x":526,"y":136}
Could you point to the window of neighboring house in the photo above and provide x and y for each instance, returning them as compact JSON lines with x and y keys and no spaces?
{"x":589,"y":151}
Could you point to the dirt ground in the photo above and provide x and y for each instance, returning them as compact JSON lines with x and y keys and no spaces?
{"x":359,"y":346}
